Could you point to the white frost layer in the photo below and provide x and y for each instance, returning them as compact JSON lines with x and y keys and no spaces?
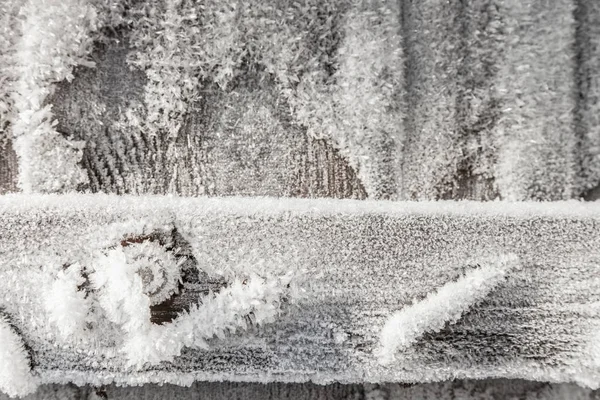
{"x":121,"y":296}
{"x":54,"y":38}
{"x":446,"y":305}
{"x":15,"y":202}
{"x":432,"y":150}
{"x":15,"y":374}
{"x":536,"y":85}
{"x":589,"y":88}
{"x":65,"y":304}
{"x":8,"y":28}
{"x":361,"y":260}
{"x":367,"y":96}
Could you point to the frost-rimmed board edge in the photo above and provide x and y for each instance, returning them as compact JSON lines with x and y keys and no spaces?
{"x":15,"y":202}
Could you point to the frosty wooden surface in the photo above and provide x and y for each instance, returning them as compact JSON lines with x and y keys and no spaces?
{"x":361,"y":261}
{"x":491,"y":389}
{"x":475,"y":41}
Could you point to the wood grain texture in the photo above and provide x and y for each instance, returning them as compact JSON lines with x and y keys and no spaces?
{"x":587,"y":111}
{"x":492,"y":389}
{"x":127,"y":163}
{"x":234,"y":142}
{"x":8,"y":167}
{"x":355,"y":267}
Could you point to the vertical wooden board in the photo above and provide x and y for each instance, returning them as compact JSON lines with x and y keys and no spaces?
{"x":536,"y":142}
{"x":432,"y":148}
{"x":587,"y":111}
{"x":478,"y":105}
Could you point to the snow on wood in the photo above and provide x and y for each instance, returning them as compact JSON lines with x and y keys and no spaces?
{"x":432,"y":149}
{"x":482,"y":42}
{"x":353,"y":264}
{"x":52,"y":39}
{"x":368,"y":97}
{"x":65,"y":303}
{"x":16,"y":378}
{"x":444,"y":306}
{"x":460,"y":95}
{"x":124,"y":298}
{"x":536,"y":85}
{"x":8,"y":28}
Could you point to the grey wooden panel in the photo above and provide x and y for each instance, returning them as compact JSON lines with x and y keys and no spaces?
{"x":363,"y":260}
{"x":491,"y":389}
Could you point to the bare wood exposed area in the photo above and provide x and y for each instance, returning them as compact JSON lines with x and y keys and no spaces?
{"x":8,"y":168}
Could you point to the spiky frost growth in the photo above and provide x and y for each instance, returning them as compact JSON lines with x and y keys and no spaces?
{"x":589,"y":357}
{"x":54,"y":37}
{"x":346,"y":90}
{"x":300,"y":55}
{"x":9,"y":10}
{"x":126,"y":297}
{"x":16,"y":379}
{"x":111,"y":14}
{"x":178,"y":43}
{"x":66,"y":305}
{"x":340,"y":74}
{"x":444,"y":306}
{"x":482,"y":43}
{"x":433,"y":149}
{"x":254,"y":301}
{"x":121,"y":291}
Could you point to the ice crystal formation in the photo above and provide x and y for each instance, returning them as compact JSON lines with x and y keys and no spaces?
{"x":385,"y":100}
{"x":419,"y":106}
{"x":295,"y":276}
{"x":54,"y":38}
{"x":444,"y":306}
{"x":66,"y":305}
{"x":16,"y":378}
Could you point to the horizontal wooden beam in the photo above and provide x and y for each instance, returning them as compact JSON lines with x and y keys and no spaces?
{"x":302,"y":288}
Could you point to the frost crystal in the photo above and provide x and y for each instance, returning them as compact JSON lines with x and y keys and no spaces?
{"x":65,"y":304}
{"x":15,"y":374}
{"x":128,"y":280}
{"x":444,"y":306}
{"x":54,"y":38}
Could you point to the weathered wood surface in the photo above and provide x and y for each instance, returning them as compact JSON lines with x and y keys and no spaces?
{"x":491,"y":389}
{"x":235,"y":142}
{"x":312,"y":168}
{"x":8,"y":168}
{"x":360,"y":261}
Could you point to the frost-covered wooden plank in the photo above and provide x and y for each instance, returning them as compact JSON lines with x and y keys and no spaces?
{"x":301,"y":289}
